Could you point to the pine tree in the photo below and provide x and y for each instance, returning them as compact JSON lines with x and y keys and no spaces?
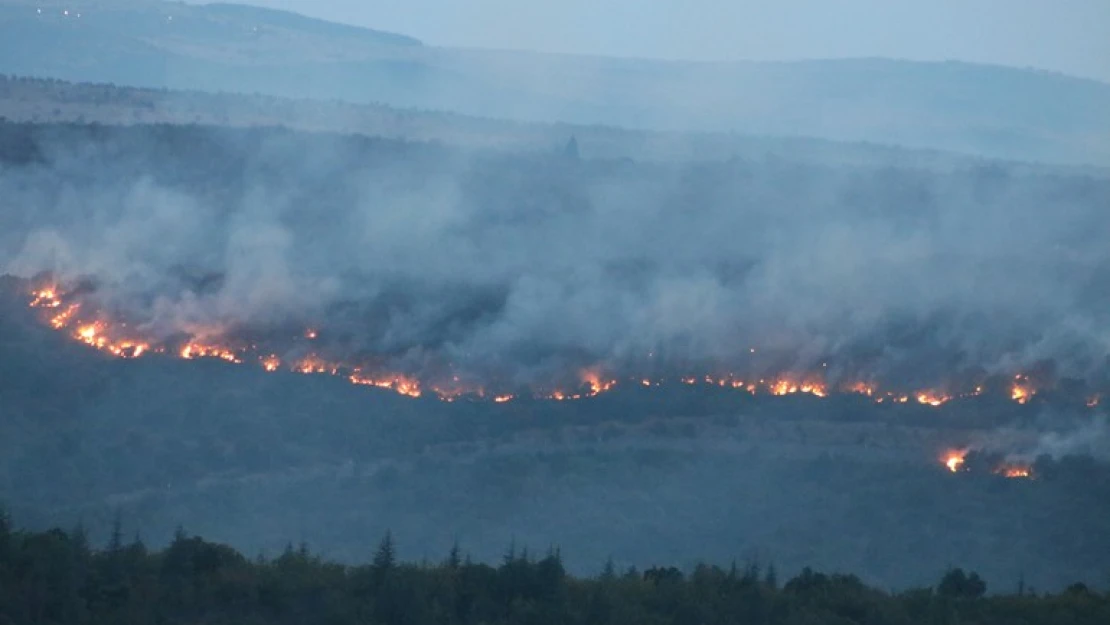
{"x":115,"y":541}
{"x":609,"y":572}
{"x":771,"y":577}
{"x":453,"y":558}
{"x":385,"y":558}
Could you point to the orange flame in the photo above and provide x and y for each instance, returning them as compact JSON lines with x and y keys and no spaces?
{"x":103,"y":336}
{"x":597,"y":385}
{"x":192,"y":351}
{"x":1014,"y":471}
{"x":128,"y":349}
{"x":46,"y":298}
{"x":397,"y":383}
{"x":314,"y":364}
{"x":954,"y":459}
{"x":814,"y":388}
{"x":932,"y":398}
{"x":63,"y":318}
{"x":862,"y":388}
{"x":1022,"y":391}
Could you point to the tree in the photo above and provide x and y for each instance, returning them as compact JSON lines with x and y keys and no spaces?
{"x":454,"y":557}
{"x":661,"y":575}
{"x":609,"y":572}
{"x":115,"y":541}
{"x":385,"y":557}
{"x":771,"y":577}
{"x":959,"y":585}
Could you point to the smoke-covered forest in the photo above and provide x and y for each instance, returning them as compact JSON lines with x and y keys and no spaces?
{"x":478,"y":272}
{"x":518,"y":268}
{"x":682,"y":312}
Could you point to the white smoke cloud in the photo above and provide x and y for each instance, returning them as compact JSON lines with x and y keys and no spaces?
{"x":515,"y":264}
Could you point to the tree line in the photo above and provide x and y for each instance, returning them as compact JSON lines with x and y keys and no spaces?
{"x":57,"y":576}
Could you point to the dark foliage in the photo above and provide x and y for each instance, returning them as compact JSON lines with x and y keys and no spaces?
{"x":55,"y":577}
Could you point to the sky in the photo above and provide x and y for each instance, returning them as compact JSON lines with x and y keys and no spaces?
{"x":1070,"y":36}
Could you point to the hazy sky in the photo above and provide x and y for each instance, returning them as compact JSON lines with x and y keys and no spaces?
{"x":1071,"y":36}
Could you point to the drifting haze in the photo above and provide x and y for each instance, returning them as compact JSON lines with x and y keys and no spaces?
{"x":526,"y":268}
{"x":999,"y":112}
{"x":1072,"y":38}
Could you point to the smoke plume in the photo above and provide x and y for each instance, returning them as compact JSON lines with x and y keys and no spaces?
{"x":525,"y":268}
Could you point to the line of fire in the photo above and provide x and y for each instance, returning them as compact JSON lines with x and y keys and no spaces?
{"x":91,"y":328}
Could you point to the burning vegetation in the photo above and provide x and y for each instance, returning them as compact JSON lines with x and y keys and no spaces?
{"x":95,"y":329}
{"x":967,"y":460}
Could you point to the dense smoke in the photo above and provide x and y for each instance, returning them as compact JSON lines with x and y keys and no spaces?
{"x":526,"y":268}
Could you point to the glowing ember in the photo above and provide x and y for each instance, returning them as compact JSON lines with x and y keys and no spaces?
{"x":88,"y":333}
{"x":789,"y":387}
{"x":1022,"y":391}
{"x":64,"y":318}
{"x":313,"y":364}
{"x":931,"y":398}
{"x":862,"y":388}
{"x":396,"y":383}
{"x":814,"y":388}
{"x":46,"y":298}
{"x":193,"y":351}
{"x":1014,"y":471}
{"x":783,"y":387}
{"x":95,"y":330}
{"x":954,"y":460}
{"x":128,"y":349}
{"x":596,"y":384}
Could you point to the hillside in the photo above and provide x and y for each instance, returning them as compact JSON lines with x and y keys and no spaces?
{"x":38,"y":100}
{"x":254,"y":460}
{"x":416,"y":253}
{"x":993,"y":111}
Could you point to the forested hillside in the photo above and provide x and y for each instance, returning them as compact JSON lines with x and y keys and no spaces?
{"x":517,"y":269}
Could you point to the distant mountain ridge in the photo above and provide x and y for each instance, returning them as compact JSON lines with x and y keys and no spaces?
{"x":985,"y":110}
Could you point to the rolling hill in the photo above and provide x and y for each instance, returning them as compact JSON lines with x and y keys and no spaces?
{"x":986,"y":110}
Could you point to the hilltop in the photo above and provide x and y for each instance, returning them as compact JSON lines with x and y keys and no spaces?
{"x":986,"y":110}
